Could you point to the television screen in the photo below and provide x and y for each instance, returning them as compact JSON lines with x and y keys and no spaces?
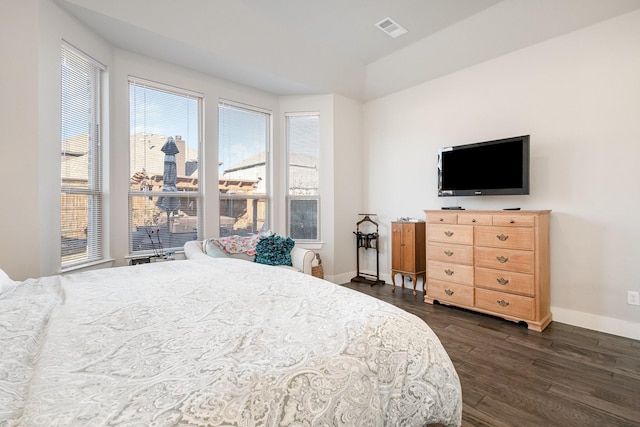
{"x":499,"y":167}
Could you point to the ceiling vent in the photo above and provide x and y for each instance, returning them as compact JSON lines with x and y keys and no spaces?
{"x":392,"y":28}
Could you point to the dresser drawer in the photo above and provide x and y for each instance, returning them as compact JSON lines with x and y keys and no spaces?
{"x":470,"y":219}
{"x":505,"y":303}
{"x":450,"y":292}
{"x":450,"y":272}
{"x":505,"y":237}
{"x":505,"y":281}
{"x":457,"y":254}
{"x":442,"y":218}
{"x":504,"y":259}
{"x":457,"y":234}
{"x":514,"y":220}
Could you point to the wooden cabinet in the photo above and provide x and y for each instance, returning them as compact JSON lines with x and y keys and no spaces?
{"x":494,"y":262}
{"x":408,"y":252}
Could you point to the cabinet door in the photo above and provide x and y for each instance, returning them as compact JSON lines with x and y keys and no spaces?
{"x":396,"y":246}
{"x":408,"y":247}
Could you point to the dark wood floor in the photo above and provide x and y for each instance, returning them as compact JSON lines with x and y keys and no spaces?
{"x":510,"y":376}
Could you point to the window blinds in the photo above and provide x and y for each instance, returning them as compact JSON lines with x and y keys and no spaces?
{"x":81,"y":216}
{"x":165,"y":195}
{"x":244,"y":137}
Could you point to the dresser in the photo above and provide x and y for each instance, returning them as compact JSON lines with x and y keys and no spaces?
{"x":493,"y":262}
{"x":408,"y":252}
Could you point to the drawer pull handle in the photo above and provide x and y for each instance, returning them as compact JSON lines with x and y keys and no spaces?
{"x":448,"y":292}
{"x":513,"y":221}
{"x":448,"y":253}
{"x":502,"y":237}
{"x":502,"y":259}
{"x":502,"y":281}
{"x":448,"y":233}
{"x":503,"y":303}
{"x":448,"y":272}
{"x":441,"y":219}
{"x":473,"y":220}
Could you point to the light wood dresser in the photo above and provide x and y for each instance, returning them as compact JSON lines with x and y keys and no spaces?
{"x":494,"y":262}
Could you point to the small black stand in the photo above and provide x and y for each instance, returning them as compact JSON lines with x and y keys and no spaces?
{"x":367,"y":241}
{"x":140,"y":260}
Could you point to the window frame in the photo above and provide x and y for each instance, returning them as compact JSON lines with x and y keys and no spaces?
{"x":292,"y":197}
{"x":94,"y":189}
{"x":198,"y":195}
{"x":267,"y":196}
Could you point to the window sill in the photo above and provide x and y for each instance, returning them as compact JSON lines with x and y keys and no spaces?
{"x":95,"y":265}
{"x":314,"y":246}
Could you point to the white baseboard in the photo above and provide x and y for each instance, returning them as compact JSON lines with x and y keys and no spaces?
{"x":340,"y":278}
{"x":608,"y":325}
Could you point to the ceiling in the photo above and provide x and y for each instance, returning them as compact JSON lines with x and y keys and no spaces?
{"x":291,"y":47}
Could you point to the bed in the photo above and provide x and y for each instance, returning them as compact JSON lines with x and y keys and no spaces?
{"x":215,"y":342}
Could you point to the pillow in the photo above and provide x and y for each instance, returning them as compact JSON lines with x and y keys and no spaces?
{"x":238,"y":244}
{"x":274,"y":250}
{"x":213,"y":250}
{"x":5,"y":282}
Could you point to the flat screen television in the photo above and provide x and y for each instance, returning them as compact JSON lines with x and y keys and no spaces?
{"x":498,"y":167}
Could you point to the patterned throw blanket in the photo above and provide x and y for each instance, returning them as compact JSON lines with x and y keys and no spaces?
{"x":237,"y":244}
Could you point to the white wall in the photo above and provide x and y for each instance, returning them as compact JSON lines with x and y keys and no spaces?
{"x":348,"y":177}
{"x":578,"y":96}
{"x":19,"y":159}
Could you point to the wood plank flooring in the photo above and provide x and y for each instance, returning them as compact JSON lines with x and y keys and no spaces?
{"x":510,"y":376}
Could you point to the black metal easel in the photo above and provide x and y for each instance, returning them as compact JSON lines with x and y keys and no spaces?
{"x":367,"y":241}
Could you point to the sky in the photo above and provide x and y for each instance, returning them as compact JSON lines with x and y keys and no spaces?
{"x":163,"y":113}
{"x":243,"y":133}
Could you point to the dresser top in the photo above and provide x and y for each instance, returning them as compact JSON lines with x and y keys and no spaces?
{"x":491,"y":212}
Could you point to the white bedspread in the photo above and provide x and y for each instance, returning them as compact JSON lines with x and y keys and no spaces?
{"x":212,"y":343}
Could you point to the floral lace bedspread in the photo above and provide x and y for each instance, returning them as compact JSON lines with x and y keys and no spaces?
{"x":216,"y":342}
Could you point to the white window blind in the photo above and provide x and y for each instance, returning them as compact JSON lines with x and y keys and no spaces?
{"x":165,"y":194}
{"x":81,"y":213}
{"x":243,"y":168}
{"x":303,"y":174}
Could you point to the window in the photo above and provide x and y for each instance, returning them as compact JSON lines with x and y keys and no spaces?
{"x":244,"y":137}
{"x":164,"y":146}
{"x":303,"y":160}
{"x":81,"y":215}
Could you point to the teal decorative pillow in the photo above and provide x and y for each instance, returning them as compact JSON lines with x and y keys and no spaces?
{"x":274,"y":250}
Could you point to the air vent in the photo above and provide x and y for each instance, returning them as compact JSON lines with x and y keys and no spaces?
{"x":392,"y":28}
